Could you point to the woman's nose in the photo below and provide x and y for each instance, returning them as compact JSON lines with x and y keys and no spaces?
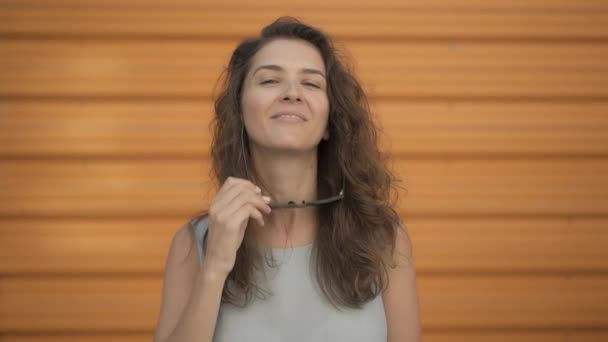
{"x":292,"y":93}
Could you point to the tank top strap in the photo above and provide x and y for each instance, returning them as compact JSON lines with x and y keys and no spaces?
{"x":200,"y":225}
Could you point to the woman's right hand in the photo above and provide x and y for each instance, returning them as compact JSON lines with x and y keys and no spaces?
{"x":236,"y":202}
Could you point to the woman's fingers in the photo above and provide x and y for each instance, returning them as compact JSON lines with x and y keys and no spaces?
{"x":237,"y":201}
{"x":244,"y":213}
{"x":231,"y":190}
{"x":244,"y":198}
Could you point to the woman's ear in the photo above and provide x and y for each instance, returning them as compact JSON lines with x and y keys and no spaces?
{"x":326,"y":135}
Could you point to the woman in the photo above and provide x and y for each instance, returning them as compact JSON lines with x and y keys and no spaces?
{"x":301,"y":240}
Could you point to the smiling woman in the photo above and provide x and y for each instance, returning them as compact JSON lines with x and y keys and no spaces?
{"x":292,"y":122}
{"x":287,"y":87}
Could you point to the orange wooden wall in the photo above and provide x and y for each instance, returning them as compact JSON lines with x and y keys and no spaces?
{"x":496,"y":112}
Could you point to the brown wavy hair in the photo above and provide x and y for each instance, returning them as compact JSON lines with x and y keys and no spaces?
{"x":356,"y":239}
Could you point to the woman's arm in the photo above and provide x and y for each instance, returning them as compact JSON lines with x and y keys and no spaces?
{"x":191,"y":295}
{"x":401,"y":303}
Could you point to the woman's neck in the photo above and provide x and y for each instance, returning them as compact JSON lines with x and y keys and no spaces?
{"x":287,"y":177}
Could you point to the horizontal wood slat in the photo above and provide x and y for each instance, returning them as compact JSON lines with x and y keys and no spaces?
{"x":509,"y":245}
{"x":437,"y":5}
{"x":472,"y":302}
{"x":452,"y":245}
{"x":525,"y":301}
{"x":83,"y":128}
{"x":86,"y":246}
{"x":81,"y":304}
{"x":459,"y":19}
{"x":508,"y":335}
{"x":111,"y":188}
{"x":80,"y":337}
{"x":173,"y":128}
{"x":128,"y":68}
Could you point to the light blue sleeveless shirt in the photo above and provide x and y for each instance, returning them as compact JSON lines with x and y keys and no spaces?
{"x":295,"y":310}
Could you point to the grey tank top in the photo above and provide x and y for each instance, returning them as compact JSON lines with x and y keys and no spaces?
{"x":295,"y":310}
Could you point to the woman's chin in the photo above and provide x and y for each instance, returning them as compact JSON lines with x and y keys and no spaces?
{"x":292,"y":147}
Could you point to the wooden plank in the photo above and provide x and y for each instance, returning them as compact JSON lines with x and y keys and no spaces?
{"x":519,"y":186}
{"x":181,"y":128}
{"x":509,"y":244}
{"x":516,"y":5}
{"x":563,"y":335}
{"x":79,"y":337}
{"x":448,"y":302}
{"x":140,"y":246}
{"x":435,"y":186}
{"x":494,"y":127}
{"x":91,"y":128}
{"x":507,"y":335}
{"x":387,"y":18}
{"x":189,"y":69}
{"x":79,"y":303}
{"x":521,"y":301}
{"x":86,"y":245}
{"x":140,"y":187}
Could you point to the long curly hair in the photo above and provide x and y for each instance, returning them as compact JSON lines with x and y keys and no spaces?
{"x":356,"y":238}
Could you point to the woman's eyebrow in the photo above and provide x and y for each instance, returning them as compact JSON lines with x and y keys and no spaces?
{"x":278,"y":68}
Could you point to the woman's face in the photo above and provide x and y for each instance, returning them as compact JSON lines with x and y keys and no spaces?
{"x":284,"y":99}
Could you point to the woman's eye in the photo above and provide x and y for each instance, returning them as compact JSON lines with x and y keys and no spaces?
{"x":268,"y":81}
{"x":305,"y":83}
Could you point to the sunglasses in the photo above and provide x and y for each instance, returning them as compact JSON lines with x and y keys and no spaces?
{"x":292,"y":204}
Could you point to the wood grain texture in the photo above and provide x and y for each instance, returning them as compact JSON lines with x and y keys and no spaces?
{"x":360,"y":19}
{"x":435,"y":186}
{"x":453,"y":301}
{"x":563,"y":335}
{"x":189,"y":69}
{"x":88,"y":128}
{"x":451,"y":245}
